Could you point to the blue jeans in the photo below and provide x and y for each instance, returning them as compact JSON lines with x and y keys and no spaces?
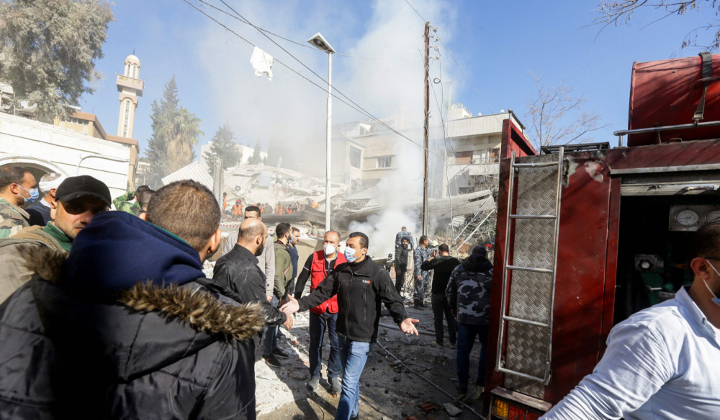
{"x":318,"y":325}
{"x":270,"y":337}
{"x":466,"y":339}
{"x":353,"y":355}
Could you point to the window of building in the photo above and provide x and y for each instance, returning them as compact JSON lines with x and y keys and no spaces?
{"x":355,"y":157}
{"x":384,"y":162}
{"x":126,"y":119}
{"x":494,"y":155}
{"x":463,"y":158}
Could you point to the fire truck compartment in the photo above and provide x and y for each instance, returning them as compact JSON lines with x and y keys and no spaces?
{"x":655,"y":236}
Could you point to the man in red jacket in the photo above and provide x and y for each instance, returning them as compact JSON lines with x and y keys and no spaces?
{"x":319,"y":265}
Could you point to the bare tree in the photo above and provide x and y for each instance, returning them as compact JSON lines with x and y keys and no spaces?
{"x":619,"y":12}
{"x":559,"y":117}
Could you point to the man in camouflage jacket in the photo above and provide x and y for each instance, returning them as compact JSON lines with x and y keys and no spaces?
{"x":125,"y":203}
{"x":468,"y":293}
{"x":422,"y":277}
{"x":16,"y":188}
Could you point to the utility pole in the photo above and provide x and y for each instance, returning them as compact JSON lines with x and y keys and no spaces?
{"x":426,"y":136}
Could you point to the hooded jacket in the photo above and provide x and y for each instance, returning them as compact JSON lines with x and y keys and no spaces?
{"x":13,"y":270}
{"x":468,"y":290}
{"x":121,"y":329}
{"x":360,"y":289}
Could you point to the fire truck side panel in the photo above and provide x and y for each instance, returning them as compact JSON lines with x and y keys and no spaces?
{"x":581,"y":275}
{"x":611,"y":262}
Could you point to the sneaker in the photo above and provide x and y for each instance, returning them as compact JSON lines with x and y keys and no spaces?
{"x":313,"y":383}
{"x":272,"y":361}
{"x":335,"y":385}
{"x":280,"y":354}
{"x":436,"y":344}
{"x":452,"y":346}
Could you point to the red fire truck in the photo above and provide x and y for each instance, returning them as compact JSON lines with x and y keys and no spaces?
{"x":588,"y":235}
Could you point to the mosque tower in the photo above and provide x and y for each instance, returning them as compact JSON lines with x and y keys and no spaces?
{"x":130,"y":87}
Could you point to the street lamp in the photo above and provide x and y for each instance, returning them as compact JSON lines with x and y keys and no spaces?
{"x":320,"y":43}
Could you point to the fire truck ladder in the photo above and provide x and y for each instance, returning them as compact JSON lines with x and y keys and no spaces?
{"x":529,"y":311}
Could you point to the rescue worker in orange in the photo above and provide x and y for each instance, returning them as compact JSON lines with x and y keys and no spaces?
{"x":237,"y":210}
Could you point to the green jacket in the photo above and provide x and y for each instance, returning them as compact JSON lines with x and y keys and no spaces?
{"x":283,"y":269}
{"x":123,"y":203}
{"x":12,"y":219}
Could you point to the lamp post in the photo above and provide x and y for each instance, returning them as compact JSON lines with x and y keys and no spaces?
{"x":320,"y":43}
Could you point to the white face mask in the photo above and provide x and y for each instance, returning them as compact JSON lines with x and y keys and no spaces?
{"x":715,"y":298}
{"x":329,"y":249}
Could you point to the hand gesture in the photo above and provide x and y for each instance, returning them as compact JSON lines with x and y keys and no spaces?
{"x":408,"y":327}
{"x":291,"y":307}
{"x":288,"y":322}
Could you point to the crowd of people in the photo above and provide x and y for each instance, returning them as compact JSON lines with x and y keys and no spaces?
{"x":108,"y":314}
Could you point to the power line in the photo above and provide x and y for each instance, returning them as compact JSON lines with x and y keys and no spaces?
{"x":355,"y":108}
{"x":418,"y":13}
{"x":304,"y":45}
{"x":454,"y":60}
{"x":364,"y":111}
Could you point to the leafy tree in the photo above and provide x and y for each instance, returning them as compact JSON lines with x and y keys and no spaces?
{"x":618,"y":12}
{"x":48,"y":50}
{"x":557,"y":116}
{"x":255,"y":158}
{"x":224,"y":147}
{"x":175,"y":133}
{"x":182,"y":130}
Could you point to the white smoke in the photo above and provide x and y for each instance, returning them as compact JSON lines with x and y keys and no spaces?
{"x":291,"y":110}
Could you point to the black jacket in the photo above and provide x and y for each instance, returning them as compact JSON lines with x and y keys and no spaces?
{"x":360,"y":288}
{"x":443,"y":266}
{"x":239,"y":271}
{"x":150,"y":351}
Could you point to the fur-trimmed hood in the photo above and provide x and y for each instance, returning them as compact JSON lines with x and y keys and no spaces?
{"x":139,"y":330}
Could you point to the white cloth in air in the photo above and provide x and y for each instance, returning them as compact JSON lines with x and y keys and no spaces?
{"x":262,"y":62}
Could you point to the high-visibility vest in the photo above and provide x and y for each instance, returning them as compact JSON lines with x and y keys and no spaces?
{"x":237,"y":210}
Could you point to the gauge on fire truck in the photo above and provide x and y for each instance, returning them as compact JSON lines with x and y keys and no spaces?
{"x":713,"y":216}
{"x":687,"y":217}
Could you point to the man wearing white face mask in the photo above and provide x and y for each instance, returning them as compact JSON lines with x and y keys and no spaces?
{"x":662,"y":362}
{"x":360,"y":286}
{"x":17,"y":187}
{"x":323,"y":317}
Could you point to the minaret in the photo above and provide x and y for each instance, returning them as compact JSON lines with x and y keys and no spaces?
{"x":130,"y":87}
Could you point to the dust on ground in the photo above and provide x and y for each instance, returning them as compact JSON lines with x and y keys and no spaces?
{"x":388,"y":390}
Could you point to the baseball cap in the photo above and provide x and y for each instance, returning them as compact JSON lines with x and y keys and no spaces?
{"x":78,"y":186}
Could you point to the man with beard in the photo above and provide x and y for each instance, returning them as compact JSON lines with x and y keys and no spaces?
{"x":239,"y":271}
{"x":124,"y":326}
{"x":77,"y":200}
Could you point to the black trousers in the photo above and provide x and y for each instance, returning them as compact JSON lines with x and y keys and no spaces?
{"x":441,"y":307}
{"x":400,"y":271}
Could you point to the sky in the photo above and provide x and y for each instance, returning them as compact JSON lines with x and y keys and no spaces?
{"x":493,"y":46}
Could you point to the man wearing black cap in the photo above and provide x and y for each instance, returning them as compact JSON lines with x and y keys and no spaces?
{"x":77,"y":200}
{"x":468,"y":294}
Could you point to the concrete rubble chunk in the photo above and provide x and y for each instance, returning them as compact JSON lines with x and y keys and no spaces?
{"x":452,"y":410}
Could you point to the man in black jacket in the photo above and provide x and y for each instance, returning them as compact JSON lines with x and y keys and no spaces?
{"x":124,"y":326}
{"x":239,"y":271}
{"x":361,"y":286}
{"x":443,"y":267}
